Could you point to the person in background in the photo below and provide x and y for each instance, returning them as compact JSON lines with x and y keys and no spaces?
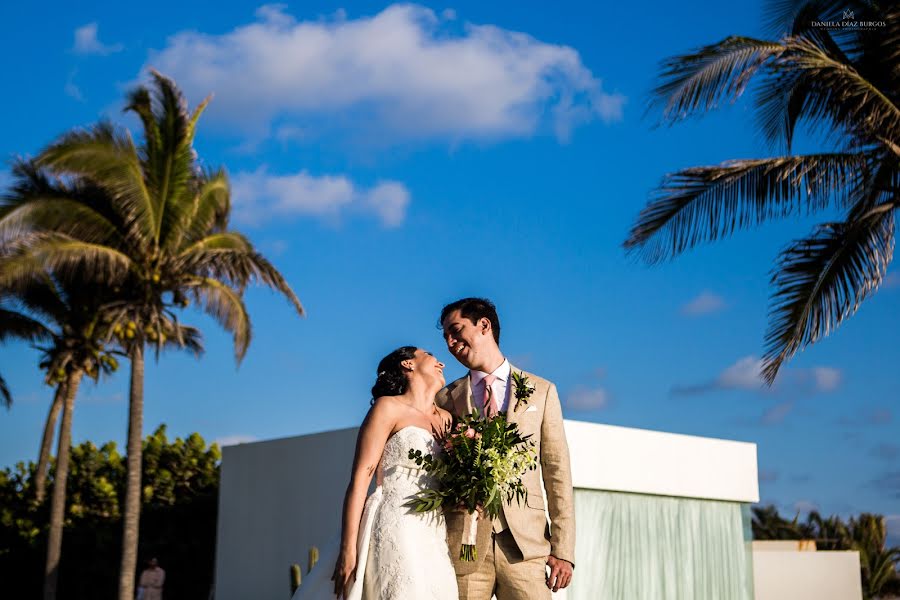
{"x":150,"y":585}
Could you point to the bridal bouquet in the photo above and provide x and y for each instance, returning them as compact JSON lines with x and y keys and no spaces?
{"x":482,"y":465}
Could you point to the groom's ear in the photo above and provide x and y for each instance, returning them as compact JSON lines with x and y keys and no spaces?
{"x":486,"y":325}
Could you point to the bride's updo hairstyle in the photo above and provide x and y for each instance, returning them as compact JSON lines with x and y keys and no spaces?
{"x":392,"y":379}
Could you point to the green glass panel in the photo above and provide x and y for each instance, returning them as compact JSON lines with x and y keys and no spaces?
{"x":642,"y":547}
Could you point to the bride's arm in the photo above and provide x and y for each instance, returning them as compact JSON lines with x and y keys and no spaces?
{"x":374,"y":432}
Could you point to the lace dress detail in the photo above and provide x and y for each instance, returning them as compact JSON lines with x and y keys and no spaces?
{"x":401,"y":555}
{"x":408,"y":555}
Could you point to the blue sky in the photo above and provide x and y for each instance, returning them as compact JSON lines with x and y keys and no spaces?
{"x":392,"y":158}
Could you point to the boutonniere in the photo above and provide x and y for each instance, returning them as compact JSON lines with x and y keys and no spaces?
{"x":524,"y":389}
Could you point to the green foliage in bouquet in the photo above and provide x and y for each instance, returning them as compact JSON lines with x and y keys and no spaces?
{"x":481,"y":465}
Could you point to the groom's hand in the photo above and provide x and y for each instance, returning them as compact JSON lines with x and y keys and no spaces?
{"x":560,"y":573}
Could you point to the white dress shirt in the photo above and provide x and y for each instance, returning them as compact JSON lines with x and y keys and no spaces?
{"x":500,"y":387}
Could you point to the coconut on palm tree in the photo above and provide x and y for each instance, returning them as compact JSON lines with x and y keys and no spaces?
{"x":156,"y":233}
{"x":841,"y":83}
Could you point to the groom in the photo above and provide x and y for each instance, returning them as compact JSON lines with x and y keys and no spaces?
{"x":522,"y":545}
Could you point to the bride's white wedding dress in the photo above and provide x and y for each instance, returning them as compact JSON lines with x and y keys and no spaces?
{"x":401,"y":555}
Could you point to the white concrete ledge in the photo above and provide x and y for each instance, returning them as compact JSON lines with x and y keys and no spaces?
{"x":780,"y":575}
{"x":623,"y":459}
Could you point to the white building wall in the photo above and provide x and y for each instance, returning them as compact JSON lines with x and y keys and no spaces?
{"x":793,"y":575}
{"x":276,"y":499}
{"x":279,"y":497}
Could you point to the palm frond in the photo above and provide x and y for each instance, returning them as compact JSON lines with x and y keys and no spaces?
{"x":834,"y":90}
{"x":227,"y":307}
{"x":821,"y":280}
{"x":266,"y":273}
{"x":209,"y":211}
{"x":14,"y":324}
{"x":231,"y":257}
{"x":140,"y":103}
{"x":185,"y":337}
{"x":225,"y":240}
{"x":110,"y":160}
{"x":782,"y":103}
{"x":796,"y":17}
{"x":195,"y":116}
{"x":170,"y":166}
{"x":701,"y":80}
{"x":60,"y":215}
{"x":5,"y":396}
{"x":38,"y":253}
{"x":702,"y":204}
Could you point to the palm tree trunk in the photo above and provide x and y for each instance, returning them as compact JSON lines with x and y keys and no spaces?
{"x":133,"y":484}
{"x":40,"y":478}
{"x":58,"y":499}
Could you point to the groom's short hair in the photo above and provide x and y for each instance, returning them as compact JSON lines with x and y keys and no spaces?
{"x":474,"y":309}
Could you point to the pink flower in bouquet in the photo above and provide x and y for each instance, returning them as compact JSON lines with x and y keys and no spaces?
{"x":470,"y":433}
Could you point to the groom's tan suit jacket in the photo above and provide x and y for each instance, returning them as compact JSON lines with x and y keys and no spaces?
{"x":541,"y":418}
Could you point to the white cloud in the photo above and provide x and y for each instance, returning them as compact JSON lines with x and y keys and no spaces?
{"x":260,"y":196}
{"x":71,"y":88}
{"x":776,"y":414}
{"x":402,"y":74}
{"x":388,"y":200}
{"x":745,"y":374}
{"x":826,"y":378}
{"x":86,"y":42}
{"x":742,"y":375}
{"x":704,"y":304}
{"x":582,"y":398}
{"x":234,"y":440}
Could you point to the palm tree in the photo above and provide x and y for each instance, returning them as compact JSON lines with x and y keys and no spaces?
{"x":156,"y":233}
{"x":841,"y":82}
{"x":67,"y":317}
{"x":831,"y":533}
{"x":37,"y":291}
{"x":878,"y":563}
{"x":75,"y":315}
{"x":767,"y":524}
{"x":18,"y":325}
{"x":867,"y":534}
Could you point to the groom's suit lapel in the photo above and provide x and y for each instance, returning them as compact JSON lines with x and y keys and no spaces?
{"x":461,"y":394}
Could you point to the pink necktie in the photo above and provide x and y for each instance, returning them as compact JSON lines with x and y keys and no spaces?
{"x":490,"y":400}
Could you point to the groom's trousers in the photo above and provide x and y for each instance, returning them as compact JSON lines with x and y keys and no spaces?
{"x":504,"y":573}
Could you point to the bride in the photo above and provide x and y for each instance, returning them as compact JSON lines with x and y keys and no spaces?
{"x":388,"y":552}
